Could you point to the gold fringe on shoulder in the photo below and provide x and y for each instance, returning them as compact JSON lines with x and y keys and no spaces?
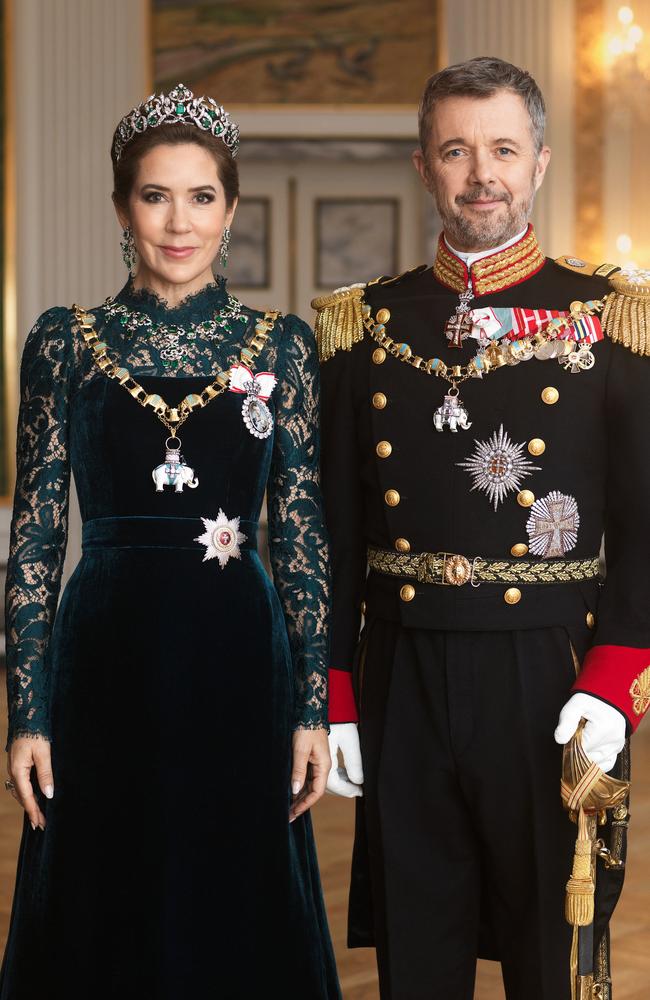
{"x":339,"y":320}
{"x":626,"y":316}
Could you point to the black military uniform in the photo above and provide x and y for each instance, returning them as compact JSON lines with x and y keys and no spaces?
{"x":481,"y":603}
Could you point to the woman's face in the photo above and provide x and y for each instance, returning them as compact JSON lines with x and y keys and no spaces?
{"x":177,"y":211}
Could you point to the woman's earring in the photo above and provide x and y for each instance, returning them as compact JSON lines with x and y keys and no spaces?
{"x":127,"y":244}
{"x":224,"y":247}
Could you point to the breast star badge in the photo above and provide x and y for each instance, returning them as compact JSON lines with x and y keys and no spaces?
{"x":221,"y":538}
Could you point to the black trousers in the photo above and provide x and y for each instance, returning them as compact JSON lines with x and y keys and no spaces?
{"x":462,"y":840}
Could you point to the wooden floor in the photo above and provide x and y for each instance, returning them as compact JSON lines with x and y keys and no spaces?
{"x":333,"y":820}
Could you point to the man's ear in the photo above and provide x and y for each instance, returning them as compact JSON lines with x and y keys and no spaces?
{"x":542,"y":163}
{"x":420,"y":164}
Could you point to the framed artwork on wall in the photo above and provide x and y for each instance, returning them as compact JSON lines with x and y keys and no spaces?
{"x":249,"y":259}
{"x":357,"y":236}
{"x":295,"y":52}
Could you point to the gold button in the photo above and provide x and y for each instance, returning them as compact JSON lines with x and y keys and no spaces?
{"x":537,"y":446}
{"x":379,"y":401}
{"x":407,"y":593}
{"x":384,"y":448}
{"x":590,"y":619}
{"x":525,"y":498}
{"x":512,"y":595}
{"x":519,"y":550}
{"x":383,"y":315}
{"x":550,"y":395}
{"x":402,"y":545}
{"x":379,"y":355}
{"x":363,"y":607}
{"x":392,"y":498}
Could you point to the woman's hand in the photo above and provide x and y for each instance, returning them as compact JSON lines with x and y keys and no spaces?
{"x":311,"y":765}
{"x":25,"y":753}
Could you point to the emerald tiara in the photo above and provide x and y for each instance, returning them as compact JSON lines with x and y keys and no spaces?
{"x":178,"y":107}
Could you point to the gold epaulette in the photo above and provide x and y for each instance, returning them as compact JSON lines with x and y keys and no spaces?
{"x":339,"y":320}
{"x":579,"y":266}
{"x":626,"y":316}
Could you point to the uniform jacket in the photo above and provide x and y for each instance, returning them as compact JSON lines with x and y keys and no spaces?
{"x":392,"y":481}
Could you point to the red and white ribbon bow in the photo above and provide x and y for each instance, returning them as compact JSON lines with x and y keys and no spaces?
{"x":243,"y":380}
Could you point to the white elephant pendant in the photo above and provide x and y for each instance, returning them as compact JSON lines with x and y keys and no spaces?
{"x":173,"y":471}
{"x":451,"y":414}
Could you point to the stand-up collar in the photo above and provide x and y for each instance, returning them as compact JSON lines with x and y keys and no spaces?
{"x":493,"y":273}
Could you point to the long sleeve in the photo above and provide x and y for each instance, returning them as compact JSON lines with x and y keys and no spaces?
{"x":39,"y":523}
{"x":297,"y":538}
{"x":617,"y":667}
{"x":341,"y":463}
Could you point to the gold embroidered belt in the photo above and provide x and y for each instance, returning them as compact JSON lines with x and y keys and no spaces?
{"x":451,"y":569}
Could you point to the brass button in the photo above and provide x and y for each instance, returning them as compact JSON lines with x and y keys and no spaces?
{"x":379,"y":401}
{"x":392,"y":498}
{"x":379,"y":355}
{"x":402,"y":545}
{"x":537,"y":446}
{"x":384,"y":448}
{"x":407,"y":592}
{"x":383,"y":315}
{"x":512,"y":595}
{"x":519,"y":550}
{"x":363,"y":607}
{"x":525,"y":498}
{"x":550,"y":395}
{"x":590,"y":620}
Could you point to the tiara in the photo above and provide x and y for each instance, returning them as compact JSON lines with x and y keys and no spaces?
{"x":178,"y":107}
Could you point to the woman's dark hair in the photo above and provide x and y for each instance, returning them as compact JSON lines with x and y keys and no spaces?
{"x":126,"y":168}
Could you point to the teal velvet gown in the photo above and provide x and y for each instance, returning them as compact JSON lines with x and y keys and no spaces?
{"x":168,"y":684}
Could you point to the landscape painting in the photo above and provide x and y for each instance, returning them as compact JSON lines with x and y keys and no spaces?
{"x":296,"y":52}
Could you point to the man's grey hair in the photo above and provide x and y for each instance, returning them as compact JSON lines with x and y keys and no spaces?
{"x":483,"y":77}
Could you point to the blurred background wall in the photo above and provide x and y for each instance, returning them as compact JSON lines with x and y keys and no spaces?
{"x":329,"y":194}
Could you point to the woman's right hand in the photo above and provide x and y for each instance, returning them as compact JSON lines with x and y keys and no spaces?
{"x":24,"y":753}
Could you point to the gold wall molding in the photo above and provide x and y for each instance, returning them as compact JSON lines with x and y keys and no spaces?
{"x":589,"y":131}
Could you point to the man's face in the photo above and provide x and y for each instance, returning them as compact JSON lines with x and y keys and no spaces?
{"x":482,"y":168}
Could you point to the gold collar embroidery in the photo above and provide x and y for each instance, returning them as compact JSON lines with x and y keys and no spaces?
{"x":490,"y":274}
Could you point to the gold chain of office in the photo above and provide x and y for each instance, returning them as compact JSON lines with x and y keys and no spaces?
{"x":173,"y":417}
{"x":496,"y":355}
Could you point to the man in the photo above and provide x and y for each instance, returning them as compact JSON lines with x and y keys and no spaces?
{"x":483,"y":600}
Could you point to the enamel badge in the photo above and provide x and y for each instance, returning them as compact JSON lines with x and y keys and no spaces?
{"x":256,"y":390}
{"x":222,"y":538}
{"x":553,"y":525}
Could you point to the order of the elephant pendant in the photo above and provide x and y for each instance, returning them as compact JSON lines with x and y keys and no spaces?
{"x":451,"y":414}
{"x":173,"y":471}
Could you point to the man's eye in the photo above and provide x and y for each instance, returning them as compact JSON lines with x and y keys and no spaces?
{"x":504,"y":151}
{"x":454,"y":154}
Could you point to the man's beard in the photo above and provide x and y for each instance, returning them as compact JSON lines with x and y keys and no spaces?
{"x":484,"y":232}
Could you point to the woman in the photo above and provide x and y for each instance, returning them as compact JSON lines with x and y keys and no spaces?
{"x":167,"y":849}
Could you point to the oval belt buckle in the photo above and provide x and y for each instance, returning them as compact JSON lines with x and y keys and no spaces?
{"x":458,"y":570}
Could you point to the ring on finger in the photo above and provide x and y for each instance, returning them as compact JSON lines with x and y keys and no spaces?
{"x":9,"y":785}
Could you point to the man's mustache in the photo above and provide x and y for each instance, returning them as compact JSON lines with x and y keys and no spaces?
{"x":483,"y":194}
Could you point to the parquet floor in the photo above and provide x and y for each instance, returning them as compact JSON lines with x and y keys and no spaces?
{"x":333,"y":820}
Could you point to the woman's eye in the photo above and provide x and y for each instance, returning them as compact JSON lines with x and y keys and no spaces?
{"x":153,"y":197}
{"x":204,"y":197}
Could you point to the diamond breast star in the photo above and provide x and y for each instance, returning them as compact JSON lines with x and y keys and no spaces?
{"x":497,"y":466}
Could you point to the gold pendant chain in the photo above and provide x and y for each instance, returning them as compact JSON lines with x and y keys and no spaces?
{"x":173,"y":417}
{"x":494,"y":356}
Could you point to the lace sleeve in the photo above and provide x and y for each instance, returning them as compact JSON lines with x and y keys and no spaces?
{"x":297,"y":537}
{"x":39,"y":523}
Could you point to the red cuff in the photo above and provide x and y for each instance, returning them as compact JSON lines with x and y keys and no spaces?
{"x":619,"y":675}
{"x":342,"y":705}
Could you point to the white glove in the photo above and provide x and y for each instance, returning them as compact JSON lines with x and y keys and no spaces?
{"x":346,"y":780}
{"x":603,"y":737}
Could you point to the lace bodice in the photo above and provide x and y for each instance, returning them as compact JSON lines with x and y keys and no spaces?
{"x":200,"y":336}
